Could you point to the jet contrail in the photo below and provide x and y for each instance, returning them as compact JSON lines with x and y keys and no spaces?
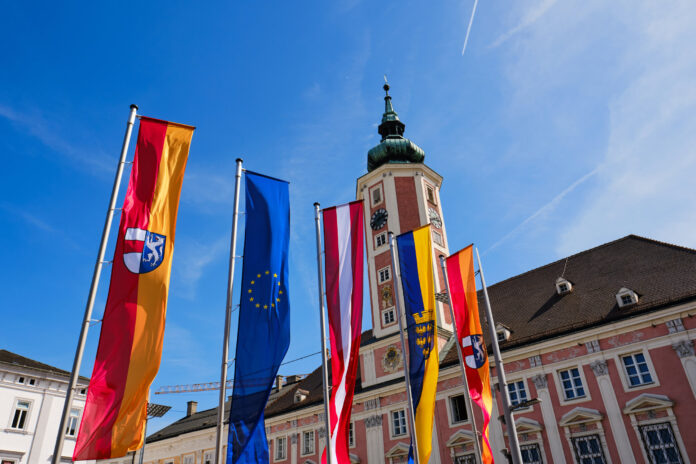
{"x":468,"y":29}
{"x":547,"y":207}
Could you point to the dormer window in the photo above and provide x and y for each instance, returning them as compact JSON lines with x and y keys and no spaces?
{"x":503,"y":333}
{"x":626,"y":297}
{"x":300,"y":395}
{"x":563,"y":286}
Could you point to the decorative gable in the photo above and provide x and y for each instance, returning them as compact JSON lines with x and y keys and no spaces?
{"x":647,"y":402}
{"x":526,"y":425}
{"x":399,"y":450}
{"x":579,"y":416}
{"x":460,"y":438}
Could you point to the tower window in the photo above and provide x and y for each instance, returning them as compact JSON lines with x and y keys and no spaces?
{"x":376,"y":196}
{"x":430,"y":193}
{"x":384,"y":274}
{"x":437,"y":238}
{"x":388,"y":316}
{"x":380,"y":240}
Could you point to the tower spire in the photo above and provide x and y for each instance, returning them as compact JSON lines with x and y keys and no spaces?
{"x":393,"y":147}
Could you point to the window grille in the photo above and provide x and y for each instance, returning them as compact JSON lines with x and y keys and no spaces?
{"x":589,"y":450}
{"x":660,"y":444}
{"x":531,"y":454}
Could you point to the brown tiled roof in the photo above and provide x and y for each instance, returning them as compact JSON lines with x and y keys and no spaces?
{"x":13,"y":359}
{"x":660,"y":273}
{"x":528,"y":304}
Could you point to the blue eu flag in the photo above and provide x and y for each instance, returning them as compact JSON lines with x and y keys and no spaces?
{"x":264,"y":317}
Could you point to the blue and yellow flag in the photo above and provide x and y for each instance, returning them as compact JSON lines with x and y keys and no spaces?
{"x":416,"y":265}
{"x":264,"y":316}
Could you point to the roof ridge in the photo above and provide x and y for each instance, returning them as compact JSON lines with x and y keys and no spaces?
{"x":589,"y":250}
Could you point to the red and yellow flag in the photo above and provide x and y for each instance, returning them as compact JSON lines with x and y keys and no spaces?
{"x":130,"y":344}
{"x":462,"y":286}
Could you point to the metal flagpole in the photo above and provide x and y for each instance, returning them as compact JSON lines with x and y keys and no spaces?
{"x":322,"y":309}
{"x":469,"y":407}
{"x":228,"y":317}
{"x":500,"y":369}
{"x":58,"y":450}
{"x":142,"y":448}
{"x":407,"y":375}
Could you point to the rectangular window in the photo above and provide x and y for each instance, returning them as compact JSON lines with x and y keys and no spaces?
{"x":399,"y":422}
{"x":351,"y":435}
{"x":458,"y":407}
{"x":190,"y":459}
{"x":208,"y":457}
{"x":388,"y":316}
{"x":380,"y":240}
{"x":431,"y":195}
{"x":73,"y":422}
{"x":571,"y":382}
{"x":8,"y":461}
{"x":518,"y":393}
{"x":589,"y":450}
{"x":659,"y":442}
{"x":437,"y":238}
{"x":20,"y":380}
{"x":384,"y":274}
{"x":281,"y":448}
{"x":626,"y":300}
{"x":637,"y":370}
{"x":308,"y":442}
{"x":531,"y":454}
{"x":19,"y":419}
{"x":377,"y":196}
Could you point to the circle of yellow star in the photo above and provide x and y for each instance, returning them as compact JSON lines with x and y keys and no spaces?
{"x":257,"y":305}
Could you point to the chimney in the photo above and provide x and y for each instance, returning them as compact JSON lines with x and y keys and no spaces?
{"x":279,"y":382}
{"x":191,"y":407}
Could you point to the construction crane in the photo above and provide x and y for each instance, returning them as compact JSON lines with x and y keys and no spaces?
{"x":195,"y":387}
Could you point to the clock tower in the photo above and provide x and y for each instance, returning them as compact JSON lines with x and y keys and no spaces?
{"x":400,"y":194}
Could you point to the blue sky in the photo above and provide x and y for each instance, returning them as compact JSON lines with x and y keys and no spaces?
{"x":564,"y":125}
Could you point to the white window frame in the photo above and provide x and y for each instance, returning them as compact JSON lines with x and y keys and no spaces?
{"x":559,"y":386}
{"x":450,"y":410}
{"x":308,"y":433}
{"x":192,"y":456}
{"x":392,"y":434}
{"x":373,"y":190}
{"x":379,"y":274}
{"x":623,"y":375}
{"x":10,"y":460}
{"x":27,"y":416}
{"x":383,"y":236}
{"x":392,"y":310}
{"x":583,"y":384}
{"x":276,"y":457}
{"x":77,"y":418}
{"x":526,"y":393}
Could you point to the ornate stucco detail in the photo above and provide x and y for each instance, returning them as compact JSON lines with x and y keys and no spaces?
{"x":592,"y":346}
{"x":391,"y":361}
{"x":293,"y":439}
{"x":684,"y":348}
{"x":373,"y":421}
{"x":540,"y":381}
{"x":600,"y":368}
{"x":322,"y":432}
{"x":372,"y":404}
{"x":675,"y":325}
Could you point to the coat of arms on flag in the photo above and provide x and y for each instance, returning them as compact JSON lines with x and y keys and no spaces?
{"x":148,"y":250}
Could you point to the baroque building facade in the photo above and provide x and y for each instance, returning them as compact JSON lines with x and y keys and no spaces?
{"x":598,"y":350}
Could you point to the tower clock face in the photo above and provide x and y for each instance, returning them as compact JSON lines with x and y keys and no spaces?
{"x":434,"y":218}
{"x":378,"y":219}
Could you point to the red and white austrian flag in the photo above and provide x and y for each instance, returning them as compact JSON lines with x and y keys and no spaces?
{"x":343,"y":246}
